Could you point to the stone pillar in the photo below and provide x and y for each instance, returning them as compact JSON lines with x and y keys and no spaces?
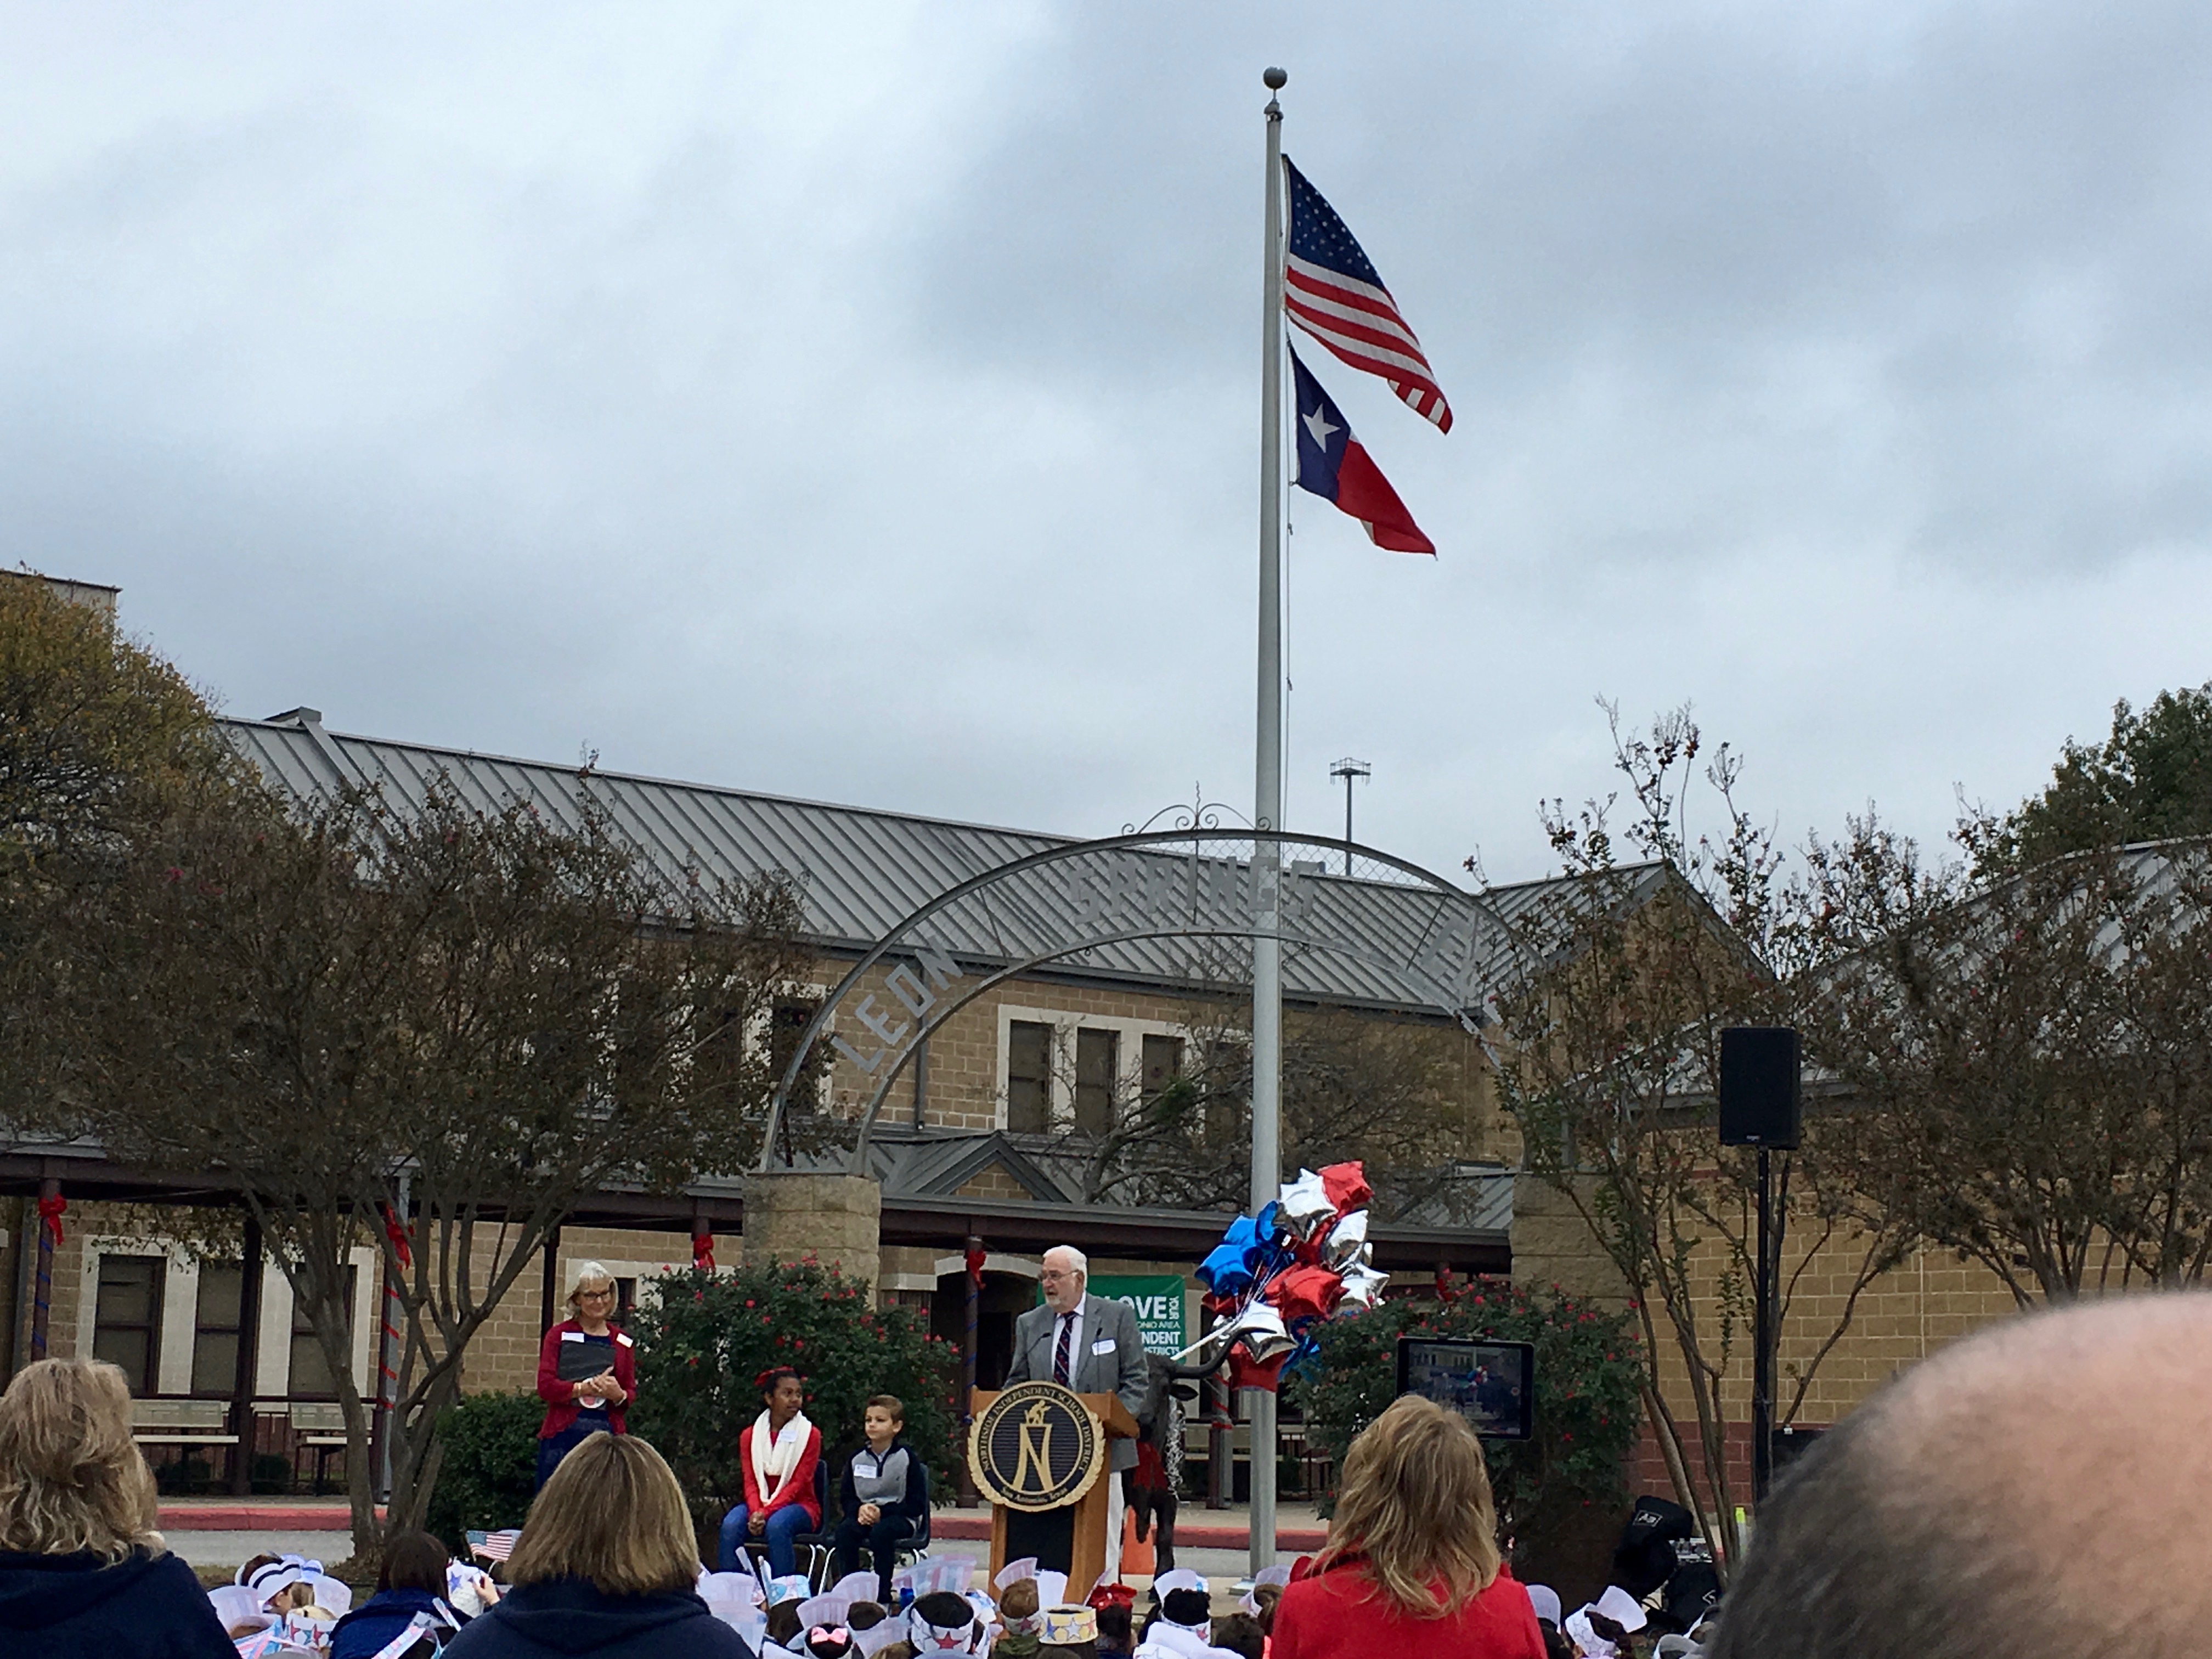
{"x":791,"y":1214}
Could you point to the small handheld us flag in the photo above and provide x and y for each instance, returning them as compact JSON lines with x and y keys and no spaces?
{"x":1332,"y":291}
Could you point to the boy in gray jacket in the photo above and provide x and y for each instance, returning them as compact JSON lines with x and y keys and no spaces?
{"x":884,"y":1494}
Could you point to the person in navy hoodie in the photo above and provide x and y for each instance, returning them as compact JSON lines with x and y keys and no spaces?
{"x":412,"y":1581}
{"x":607,"y":1567}
{"x":81,"y":1570}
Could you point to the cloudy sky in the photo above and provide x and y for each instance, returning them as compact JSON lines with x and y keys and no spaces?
{"x":861,"y":402}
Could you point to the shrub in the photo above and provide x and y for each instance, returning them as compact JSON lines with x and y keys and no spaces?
{"x":489,"y":1473}
{"x":710,"y":1336}
{"x":1589,"y":1372}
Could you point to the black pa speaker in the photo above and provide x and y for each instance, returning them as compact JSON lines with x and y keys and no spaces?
{"x":1759,"y":1086}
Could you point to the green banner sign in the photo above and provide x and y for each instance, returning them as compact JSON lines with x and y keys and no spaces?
{"x":1157,"y":1299}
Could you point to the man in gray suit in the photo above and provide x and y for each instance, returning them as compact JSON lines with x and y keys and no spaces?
{"x":1092,"y":1347}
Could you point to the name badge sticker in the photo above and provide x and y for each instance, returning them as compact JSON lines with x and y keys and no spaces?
{"x":572,"y":1336}
{"x":1103,"y":1345}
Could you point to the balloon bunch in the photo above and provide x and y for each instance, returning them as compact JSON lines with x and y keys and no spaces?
{"x":1273,"y":1276}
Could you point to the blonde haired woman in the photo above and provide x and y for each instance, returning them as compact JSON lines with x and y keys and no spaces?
{"x":606,"y":1567}
{"x":81,"y":1569}
{"x":586,"y":1370}
{"x":1411,"y":1564}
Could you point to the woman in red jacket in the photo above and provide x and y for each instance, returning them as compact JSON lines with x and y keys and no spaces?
{"x":1411,"y":1564}
{"x":779,"y":1453}
{"x":587,"y":1371}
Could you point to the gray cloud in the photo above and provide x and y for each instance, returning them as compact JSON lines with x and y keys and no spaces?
{"x":859,"y":403}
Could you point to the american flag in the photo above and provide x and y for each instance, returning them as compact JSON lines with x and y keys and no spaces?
{"x":1332,"y":292}
{"x":494,"y":1546}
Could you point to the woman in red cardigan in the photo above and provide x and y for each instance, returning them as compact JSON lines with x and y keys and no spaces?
{"x":779,"y":1453}
{"x":1412,"y":1563}
{"x":587,"y":1371}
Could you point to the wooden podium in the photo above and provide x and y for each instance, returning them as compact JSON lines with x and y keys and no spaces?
{"x":1082,"y":1524}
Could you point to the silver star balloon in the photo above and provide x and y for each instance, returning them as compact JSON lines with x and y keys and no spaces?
{"x":1363,"y":1287}
{"x":1260,"y":1329}
{"x":1304,"y":1206}
{"x":1346,"y":1241}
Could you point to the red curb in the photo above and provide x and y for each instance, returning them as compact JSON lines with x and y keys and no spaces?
{"x":255,"y":1517}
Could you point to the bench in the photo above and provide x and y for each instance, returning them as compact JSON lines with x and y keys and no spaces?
{"x":319,"y":1425}
{"x":181,"y":1423}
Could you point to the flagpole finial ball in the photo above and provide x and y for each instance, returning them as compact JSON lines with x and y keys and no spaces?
{"x":1275,"y":79}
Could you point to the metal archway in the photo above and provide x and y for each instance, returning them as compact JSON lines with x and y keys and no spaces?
{"x":1356,"y":926}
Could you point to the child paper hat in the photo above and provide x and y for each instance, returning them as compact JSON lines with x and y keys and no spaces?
{"x":1545,"y":1600}
{"x":942,"y":1622}
{"x":1278,"y":1576}
{"x":1066,"y":1626}
{"x":855,"y":1587}
{"x":1617,"y":1605}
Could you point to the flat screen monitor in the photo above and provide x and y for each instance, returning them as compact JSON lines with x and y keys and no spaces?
{"x":1491,"y":1384}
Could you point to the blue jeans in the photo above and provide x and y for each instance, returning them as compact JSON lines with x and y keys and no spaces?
{"x":783,"y":1525}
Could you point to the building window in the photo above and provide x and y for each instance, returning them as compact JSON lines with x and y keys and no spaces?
{"x":1097,"y":1058}
{"x":311,"y":1378}
{"x":786,"y":1025}
{"x":126,"y":1329}
{"x":625,"y":1300}
{"x":215,"y":1327}
{"x":1163,"y":1061}
{"x":1028,"y":1078}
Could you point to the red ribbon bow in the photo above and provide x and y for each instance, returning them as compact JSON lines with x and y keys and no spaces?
{"x":975,"y":1258}
{"x":702,"y":1252}
{"x":398,"y":1235}
{"x":49,"y":1212}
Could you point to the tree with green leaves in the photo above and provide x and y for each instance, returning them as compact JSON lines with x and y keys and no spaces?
{"x":705,"y":1339}
{"x":1589,"y":1385}
{"x":2150,"y":779}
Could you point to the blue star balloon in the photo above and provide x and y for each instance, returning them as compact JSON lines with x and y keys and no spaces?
{"x":1227,"y":1269}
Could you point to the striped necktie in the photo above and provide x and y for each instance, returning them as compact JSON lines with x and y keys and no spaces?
{"x":1059,"y":1352}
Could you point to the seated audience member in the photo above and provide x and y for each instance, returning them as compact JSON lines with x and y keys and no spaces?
{"x":1021,"y":1621}
{"x":941,"y":1624}
{"x":781,"y":1452}
{"x":606,"y":1567}
{"x":884,"y":1494}
{"x":411,"y":1580}
{"x":81,"y":1569}
{"x":2036,"y":1488}
{"x":1115,"y":1632}
{"x":1412,"y":1565}
{"x":1240,"y":1633}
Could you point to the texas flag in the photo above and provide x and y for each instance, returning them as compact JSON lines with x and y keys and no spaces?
{"x":1332,"y":465}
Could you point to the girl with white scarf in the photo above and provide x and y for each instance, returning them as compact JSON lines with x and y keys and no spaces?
{"x":781,"y":1451}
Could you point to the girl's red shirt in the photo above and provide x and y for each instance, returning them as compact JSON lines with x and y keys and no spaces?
{"x":1341,"y":1614}
{"x":798,"y":1489}
{"x":561,"y":1406}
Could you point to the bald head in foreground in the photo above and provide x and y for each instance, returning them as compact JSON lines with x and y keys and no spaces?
{"x":2038,"y":1489}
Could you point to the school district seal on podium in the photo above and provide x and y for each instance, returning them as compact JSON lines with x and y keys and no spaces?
{"x":1035,"y":1447}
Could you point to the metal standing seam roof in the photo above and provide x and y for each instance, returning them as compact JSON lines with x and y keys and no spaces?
{"x":863,"y":871}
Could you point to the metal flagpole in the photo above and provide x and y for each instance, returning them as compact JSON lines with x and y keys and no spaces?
{"x":1268,"y":811}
